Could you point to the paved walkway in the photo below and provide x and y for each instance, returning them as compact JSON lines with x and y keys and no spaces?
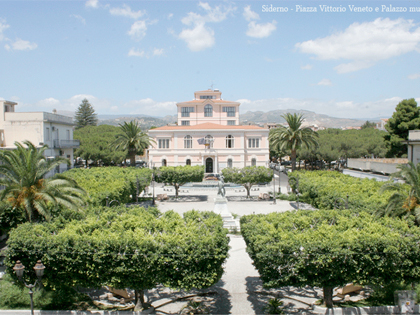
{"x":240,"y":289}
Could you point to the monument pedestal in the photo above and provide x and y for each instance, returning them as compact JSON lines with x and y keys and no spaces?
{"x":220,"y":207}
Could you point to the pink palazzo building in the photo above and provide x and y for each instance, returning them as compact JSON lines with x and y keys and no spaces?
{"x":208,"y":133}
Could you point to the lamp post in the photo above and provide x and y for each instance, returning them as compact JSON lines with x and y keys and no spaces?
{"x":153,"y":185}
{"x":274,"y":185}
{"x":39,"y":271}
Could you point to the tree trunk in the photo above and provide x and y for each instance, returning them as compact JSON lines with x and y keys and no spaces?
{"x":139,"y":301}
{"x":176,"y":190}
{"x":293,"y":156}
{"x":132,"y":156}
{"x":248,"y":191}
{"x":328,"y":296}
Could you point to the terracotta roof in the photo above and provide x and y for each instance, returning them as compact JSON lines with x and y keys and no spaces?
{"x":206,"y":126}
{"x":207,"y":100}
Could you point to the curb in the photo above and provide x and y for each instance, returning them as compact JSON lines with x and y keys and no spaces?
{"x":361,"y":310}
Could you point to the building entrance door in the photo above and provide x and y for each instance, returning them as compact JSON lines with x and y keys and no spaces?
{"x":209,"y":165}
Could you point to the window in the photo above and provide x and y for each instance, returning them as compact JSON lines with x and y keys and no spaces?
{"x":231,"y":122}
{"x":208,"y":111}
{"x":188,"y":162}
{"x":229,"y":163}
{"x":230,"y":111}
{"x":254,"y":162}
{"x":208,"y":142}
{"x":163,"y":143}
{"x":207,"y":97}
{"x":185,"y":111}
{"x":68,"y":134}
{"x":187,"y":142}
{"x":229,"y":141}
{"x":185,"y":122}
{"x":253,"y":143}
{"x":47,"y":134}
{"x":164,"y":162}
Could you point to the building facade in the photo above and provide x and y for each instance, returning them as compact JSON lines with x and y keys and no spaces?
{"x":40,"y":128}
{"x":208,"y":133}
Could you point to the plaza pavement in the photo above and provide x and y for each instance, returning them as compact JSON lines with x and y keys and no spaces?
{"x":240,"y":290}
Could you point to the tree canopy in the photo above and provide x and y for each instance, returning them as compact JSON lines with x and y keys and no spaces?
{"x":179,"y":175}
{"x":132,"y":139}
{"x":336,"y":144}
{"x":329,"y":248}
{"x":405,"y":199}
{"x":293,"y":137}
{"x":96,"y":144}
{"x":85,"y":115}
{"x":405,"y":117}
{"x":125,"y":248}
{"x":24,"y":172}
{"x":248,"y":176}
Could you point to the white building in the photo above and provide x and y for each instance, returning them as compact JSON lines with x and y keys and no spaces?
{"x":208,"y":133}
{"x":40,"y":128}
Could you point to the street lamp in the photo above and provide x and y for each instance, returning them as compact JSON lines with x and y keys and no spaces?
{"x":274,"y":185}
{"x":39,"y":271}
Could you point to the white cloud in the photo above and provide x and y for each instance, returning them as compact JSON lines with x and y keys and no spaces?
{"x":414,"y":76}
{"x":21,"y":44}
{"x":79,"y":18}
{"x":157,"y":52}
{"x":151,"y":107}
{"x":216,"y":14}
{"x":364,"y":44}
{"x":127,"y":12}
{"x":250,"y":15}
{"x":170,"y":16}
{"x":136,"y":53}
{"x":260,"y":30}
{"x":138,"y":30}
{"x":92,"y":4}
{"x":48,"y":103}
{"x":3,"y":26}
{"x":324,"y":82}
{"x":306,"y":67}
{"x":198,"y":38}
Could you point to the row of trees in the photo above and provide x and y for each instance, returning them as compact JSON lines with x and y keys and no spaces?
{"x":123,"y":248}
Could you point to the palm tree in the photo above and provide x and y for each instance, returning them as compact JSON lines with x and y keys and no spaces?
{"x":293,"y":137}
{"x":404,"y":202}
{"x":24,"y":173}
{"x":132,"y":139}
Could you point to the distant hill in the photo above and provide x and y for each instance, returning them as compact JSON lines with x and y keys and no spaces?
{"x":257,"y":118}
{"x":146,"y":122}
{"x":311,"y":118}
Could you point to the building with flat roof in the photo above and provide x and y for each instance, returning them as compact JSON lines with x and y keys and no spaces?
{"x":40,"y":128}
{"x":208,"y":133}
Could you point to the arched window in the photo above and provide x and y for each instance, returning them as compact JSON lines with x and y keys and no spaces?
{"x":229,"y":141}
{"x":164,"y":162}
{"x":208,"y":141}
{"x":208,"y":111}
{"x":229,"y":163}
{"x":187,"y":142}
{"x":254,"y":162}
{"x":188,"y":162}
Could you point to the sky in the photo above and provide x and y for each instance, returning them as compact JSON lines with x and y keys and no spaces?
{"x":346,"y":59}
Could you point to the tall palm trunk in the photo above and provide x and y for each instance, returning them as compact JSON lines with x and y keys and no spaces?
{"x":293,"y":156}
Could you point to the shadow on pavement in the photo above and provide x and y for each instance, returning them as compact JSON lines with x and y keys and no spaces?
{"x":296,"y":300}
{"x":190,"y":198}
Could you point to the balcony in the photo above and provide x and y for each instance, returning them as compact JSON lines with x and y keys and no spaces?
{"x":66,"y":144}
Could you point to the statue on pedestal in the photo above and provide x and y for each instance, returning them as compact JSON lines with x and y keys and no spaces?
{"x":221,"y":185}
